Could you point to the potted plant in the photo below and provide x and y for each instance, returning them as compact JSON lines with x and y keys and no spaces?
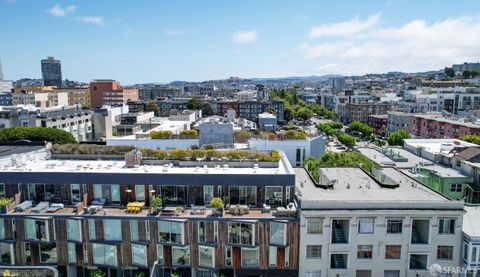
{"x":155,"y":204}
{"x":175,"y":274}
{"x":98,"y":273}
{"x":139,"y":274}
{"x":4,"y":202}
{"x":178,"y":210}
{"x":217,"y":206}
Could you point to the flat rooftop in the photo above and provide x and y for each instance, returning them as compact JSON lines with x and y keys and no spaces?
{"x":355,"y":189}
{"x":438,"y":145}
{"x":471,"y":221}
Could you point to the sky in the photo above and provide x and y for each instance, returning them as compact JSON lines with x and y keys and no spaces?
{"x":141,"y":41}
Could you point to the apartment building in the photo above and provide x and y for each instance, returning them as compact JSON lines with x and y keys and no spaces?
{"x":383,"y":224}
{"x":348,"y":112}
{"x":251,"y":109}
{"x":73,"y":214}
{"x":397,"y":121}
{"x":378,"y":123}
{"x":439,"y":126}
{"x":470,"y":257}
{"x":109,"y":92}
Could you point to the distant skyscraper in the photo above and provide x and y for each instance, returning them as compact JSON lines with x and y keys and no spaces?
{"x":52,"y":72}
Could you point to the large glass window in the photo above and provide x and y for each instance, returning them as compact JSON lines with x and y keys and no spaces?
{"x":202,"y":229}
{"x":278,"y":233}
{"x":6,"y":253}
{"x":314,"y":225}
{"x":207,"y":194}
{"x":91,"y":229}
{"x":445,"y":252}
{"x":446,"y":226}
{"x":140,"y":192}
{"x":111,"y":193}
{"x":75,"y":192}
{"x":364,"y":251}
{"x":134,"y":230}
{"x":272,"y":256}
{"x":48,"y":253}
{"x":274,"y":196}
{"x":112,"y":229}
{"x":394,"y":226}
{"x":243,"y":195}
{"x":250,"y":257}
{"x":74,"y":230}
{"x":2,"y":228}
{"x":206,"y":256}
{"x":180,"y":256}
{"x":314,"y":251}
{"x":139,"y":254}
{"x":366,"y":225}
{"x":228,"y":256}
{"x":28,"y":255}
{"x":72,"y":253}
{"x":160,"y":258}
{"x":36,"y":229}
{"x":104,"y":254}
{"x":241,"y":233}
{"x":418,"y":261}
{"x":170,"y":232}
{"x":173,"y":195}
{"x":393,"y":252}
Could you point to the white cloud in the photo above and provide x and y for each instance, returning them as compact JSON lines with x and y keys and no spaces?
{"x":96,"y":20}
{"x":415,"y":46}
{"x":57,"y":10}
{"x":244,"y":37}
{"x":345,"y":28}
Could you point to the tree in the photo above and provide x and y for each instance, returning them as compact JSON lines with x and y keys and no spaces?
{"x":347,"y":140}
{"x":55,"y":136}
{"x":472,"y":139}
{"x":287,"y":114}
{"x":293,"y":134}
{"x":160,"y":134}
{"x":304,"y":114}
{"x":360,"y":127}
{"x":206,"y":109}
{"x":194,"y":104}
{"x":152,"y":107}
{"x":270,"y":110}
{"x":449,"y":72}
{"x":397,"y":137}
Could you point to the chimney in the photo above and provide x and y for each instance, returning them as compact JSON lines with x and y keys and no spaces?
{"x":133,"y":158}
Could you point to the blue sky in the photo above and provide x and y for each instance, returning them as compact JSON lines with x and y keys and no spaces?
{"x":161,"y":41}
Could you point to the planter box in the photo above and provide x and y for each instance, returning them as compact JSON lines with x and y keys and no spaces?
{"x":88,"y":157}
{"x":210,"y":164}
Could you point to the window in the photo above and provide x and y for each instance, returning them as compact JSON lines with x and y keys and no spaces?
{"x":180,"y":256}
{"x":313,"y":273}
{"x":394,"y":226}
{"x":134,"y":230}
{"x":250,"y":257}
{"x":28,"y":256}
{"x":74,"y":230}
{"x":160,"y":254}
{"x":287,"y":256}
{"x":228,"y":256}
{"x":366,"y":225}
{"x":207,"y":194}
{"x":48,"y":253}
{"x":418,"y":261}
{"x":104,"y":254}
{"x":446,"y":226}
{"x":202,"y":236}
{"x":243,"y":195}
{"x":274,"y":196}
{"x":72,"y":253}
{"x":75,"y":191}
{"x":112,"y":229}
{"x":314,"y":251}
{"x":91,"y":229}
{"x":37,"y":230}
{"x":241,"y":233}
{"x":314,"y":225}
{"x":364,"y":251}
{"x":2,"y":228}
{"x":363,"y":273}
{"x":278,"y":233}
{"x":206,"y":256}
{"x":6,"y":253}
{"x":456,"y":187}
{"x":393,"y":252}
{"x":391,"y":273}
{"x":474,"y":254}
{"x":339,"y":261}
{"x":139,"y":254}
{"x":171,"y":232}
{"x":444,"y":252}
{"x":140,"y":192}
{"x":272,"y":256}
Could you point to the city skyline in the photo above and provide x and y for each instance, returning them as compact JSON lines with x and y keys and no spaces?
{"x":187,"y":40}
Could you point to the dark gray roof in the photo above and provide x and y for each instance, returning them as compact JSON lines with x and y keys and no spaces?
{"x":469,"y":153}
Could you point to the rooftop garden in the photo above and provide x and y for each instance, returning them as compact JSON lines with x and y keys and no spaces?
{"x":90,"y":149}
{"x":211,"y":155}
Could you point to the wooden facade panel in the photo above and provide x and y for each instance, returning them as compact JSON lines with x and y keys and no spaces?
{"x":152,"y":250}
{"x":61,"y":241}
{"x":8,"y":223}
{"x":293,"y":241}
{"x":167,"y":255}
{"x":280,"y":258}
{"x":99,"y":229}
{"x":79,"y":253}
{"x":35,"y":253}
{"x":126,"y":243}
{"x":220,"y":250}
{"x":236,"y":257}
{"x":263,"y":240}
{"x":193,"y":226}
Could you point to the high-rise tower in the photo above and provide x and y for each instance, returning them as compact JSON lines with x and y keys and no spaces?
{"x":52,"y":72}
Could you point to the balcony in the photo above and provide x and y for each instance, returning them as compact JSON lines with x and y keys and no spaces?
{"x":420,"y":231}
{"x":340,"y":231}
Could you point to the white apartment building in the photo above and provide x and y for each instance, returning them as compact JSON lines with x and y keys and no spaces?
{"x":353,"y":225}
{"x":470,"y":259}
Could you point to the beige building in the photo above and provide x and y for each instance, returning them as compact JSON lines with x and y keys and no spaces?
{"x":70,"y":97}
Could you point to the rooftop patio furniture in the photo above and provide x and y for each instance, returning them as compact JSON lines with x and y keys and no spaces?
{"x":135,"y":207}
{"x":40,"y":207}
{"x":55,"y":207}
{"x":198,"y":210}
{"x":93,"y":209}
{"x":99,"y":201}
{"x":23,"y":206}
{"x":239,"y":209}
{"x":266,"y":208}
{"x":289,"y":211}
{"x":168,"y":211}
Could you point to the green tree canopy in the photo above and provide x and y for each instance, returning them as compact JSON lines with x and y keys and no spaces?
{"x":304,"y":113}
{"x":55,"y":136}
{"x":471,"y":139}
{"x":360,"y":127}
{"x":347,"y":140}
{"x":206,"y":109}
{"x":194,"y":104}
{"x":294,"y":134}
{"x":152,"y":107}
{"x":397,"y":137}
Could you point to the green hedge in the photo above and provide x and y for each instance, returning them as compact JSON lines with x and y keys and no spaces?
{"x":235,"y":155}
{"x":56,"y":136}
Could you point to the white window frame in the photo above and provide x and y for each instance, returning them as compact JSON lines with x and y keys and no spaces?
{"x":209,"y":248}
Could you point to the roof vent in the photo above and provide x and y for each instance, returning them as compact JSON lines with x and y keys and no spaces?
{"x":225,"y":166}
{"x":165,"y":168}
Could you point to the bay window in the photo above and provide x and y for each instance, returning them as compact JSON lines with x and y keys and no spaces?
{"x":74,"y":230}
{"x":206,"y":256}
{"x":170,"y":232}
{"x":250,"y":257}
{"x":48,"y":253}
{"x":112,"y":229}
{"x":104,"y":254}
{"x":72,"y":253}
{"x":139,"y":254}
{"x":278,"y":234}
{"x":180,"y":256}
{"x":241,"y":233}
